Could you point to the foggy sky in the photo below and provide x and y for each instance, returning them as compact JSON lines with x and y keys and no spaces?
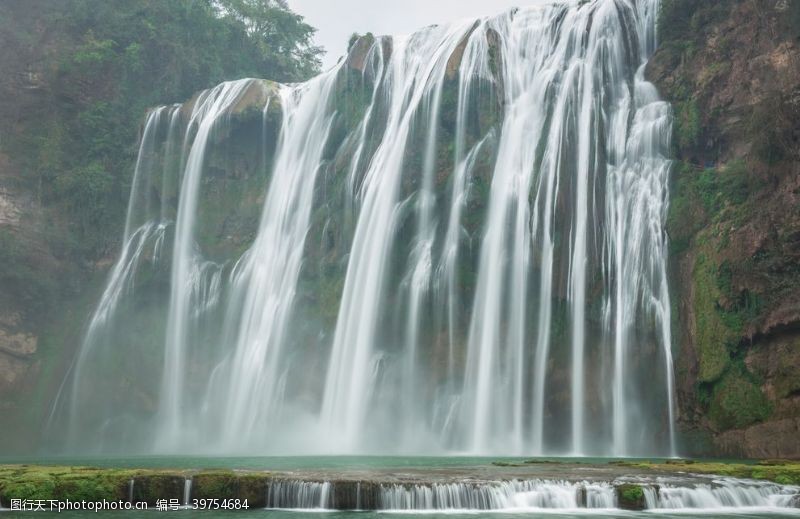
{"x":336,"y":20}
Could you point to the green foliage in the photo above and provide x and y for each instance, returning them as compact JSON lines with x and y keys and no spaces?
{"x":281,"y":36}
{"x":109,"y":63}
{"x":738,"y":402}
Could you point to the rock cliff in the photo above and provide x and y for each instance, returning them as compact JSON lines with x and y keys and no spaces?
{"x":732,"y":71}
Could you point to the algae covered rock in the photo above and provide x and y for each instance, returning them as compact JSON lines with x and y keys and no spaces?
{"x":630,"y":496}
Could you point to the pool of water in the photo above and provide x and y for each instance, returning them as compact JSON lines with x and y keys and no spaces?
{"x":284,"y":463}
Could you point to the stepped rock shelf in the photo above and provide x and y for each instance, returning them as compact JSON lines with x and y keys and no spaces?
{"x":503,"y":485}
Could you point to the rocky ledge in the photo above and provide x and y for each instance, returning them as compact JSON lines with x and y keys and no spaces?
{"x":504,"y":485}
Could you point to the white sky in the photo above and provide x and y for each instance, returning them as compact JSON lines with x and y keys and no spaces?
{"x":336,"y":20}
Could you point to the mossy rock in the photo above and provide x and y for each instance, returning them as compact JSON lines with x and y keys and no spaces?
{"x":737,"y":402}
{"x":219,"y":484}
{"x":32,"y":486}
{"x":226,"y":484}
{"x":781,"y":474}
{"x":101,"y":486}
{"x":712,"y":334}
{"x":253,"y":488}
{"x":150,"y":488}
{"x":630,"y":496}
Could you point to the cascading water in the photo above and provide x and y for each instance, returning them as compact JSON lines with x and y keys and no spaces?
{"x":505,"y":495}
{"x":450,"y":242}
{"x":720,"y":495}
{"x":516,"y":495}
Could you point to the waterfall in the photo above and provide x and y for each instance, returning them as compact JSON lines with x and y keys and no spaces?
{"x":299,"y":494}
{"x":450,"y":242}
{"x":187,"y":491}
{"x":265,"y":278}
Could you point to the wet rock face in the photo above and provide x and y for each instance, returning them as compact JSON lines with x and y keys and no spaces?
{"x":16,"y":352}
{"x":734,"y":224}
{"x":772,"y":439}
{"x":152,"y":488}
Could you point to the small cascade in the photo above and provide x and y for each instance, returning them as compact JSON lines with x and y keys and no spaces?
{"x":299,"y":494}
{"x":721,"y":494}
{"x":130,"y":490}
{"x":187,"y":491}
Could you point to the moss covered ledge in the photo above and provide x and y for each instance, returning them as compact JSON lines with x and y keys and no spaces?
{"x":34,"y":482}
{"x":779,"y":471}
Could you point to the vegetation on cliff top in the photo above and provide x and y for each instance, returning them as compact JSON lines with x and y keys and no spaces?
{"x":87,"y":71}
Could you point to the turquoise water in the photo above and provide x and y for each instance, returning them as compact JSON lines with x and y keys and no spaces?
{"x":294,"y":462}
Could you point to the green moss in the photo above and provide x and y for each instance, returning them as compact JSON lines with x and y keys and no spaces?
{"x":213,"y":484}
{"x":686,"y":216}
{"x":737,"y":402}
{"x":630,"y":497}
{"x":783,"y":472}
{"x":34,"y":486}
{"x":687,"y":124}
{"x":149,"y":487}
{"x":93,"y":484}
{"x":712,"y":333}
{"x":76,"y":487}
{"x":73,"y":483}
{"x":632,"y":493}
{"x":253,"y":488}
